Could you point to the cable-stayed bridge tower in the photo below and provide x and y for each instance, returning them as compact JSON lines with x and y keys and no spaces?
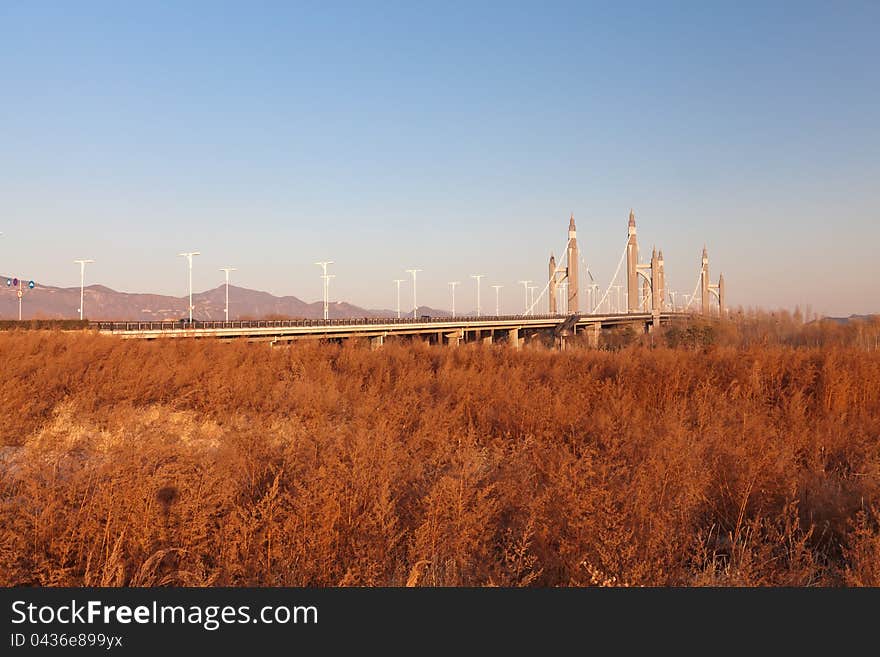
{"x":569,"y":274}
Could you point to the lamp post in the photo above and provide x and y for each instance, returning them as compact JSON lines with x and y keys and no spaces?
{"x":617,"y":288}
{"x":415,"y":303}
{"x":595,"y":291}
{"x":525,"y":285}
{"x":478,"y":278}
{"x":452,"y":285}
{"x":189,"y":257}
{"x":398,"y":281}
{"x":82,"y":277}
{"x":226,"y":270}
{"x":326,"y":284}
{"x":497,"y":299}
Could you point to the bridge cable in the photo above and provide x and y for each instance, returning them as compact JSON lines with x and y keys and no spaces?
{"x":614,"y":278}
{"x":547,"y":286}
{"x":589,"y":273}
{"x":696,"y":287}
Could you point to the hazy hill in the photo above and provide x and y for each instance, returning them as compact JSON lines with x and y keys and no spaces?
{"x":102,"y":303}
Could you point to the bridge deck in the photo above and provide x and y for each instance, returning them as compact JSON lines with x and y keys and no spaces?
{"x":366,"y":327}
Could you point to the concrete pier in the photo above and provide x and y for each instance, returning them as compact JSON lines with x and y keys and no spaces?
{"x":593,"y":332}
{"x":514,"y":339}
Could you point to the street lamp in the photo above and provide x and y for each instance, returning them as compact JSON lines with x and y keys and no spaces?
{"x":398,"y":281}
{"x":326,"y":280}
{"x":478,"y":278}
{"x":497,"y":300}
{"x":227,"y":270}
{"x":525,"y":285}
{"x":415,"y":303}
{"x":617,"y":308}
{"x":189,"y":257}
{"x":82,"y":277}
{"x":452,"y":284}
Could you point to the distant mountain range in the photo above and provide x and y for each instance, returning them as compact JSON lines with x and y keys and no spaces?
{"x":102,"y":303}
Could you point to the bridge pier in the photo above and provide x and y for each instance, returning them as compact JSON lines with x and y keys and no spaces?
{"x":453,"y":339}
{"x":593,"y":332}
{"x":514,"y":339}
{"x":377,"y":342}
{"x":487,"y":339}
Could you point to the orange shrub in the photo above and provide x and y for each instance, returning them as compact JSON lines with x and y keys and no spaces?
{"x":731,"y":460}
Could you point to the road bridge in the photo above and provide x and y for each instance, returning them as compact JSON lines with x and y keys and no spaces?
{"x":441,"y":330}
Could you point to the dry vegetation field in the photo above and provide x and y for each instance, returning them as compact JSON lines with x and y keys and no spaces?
{"x":747,"y":453}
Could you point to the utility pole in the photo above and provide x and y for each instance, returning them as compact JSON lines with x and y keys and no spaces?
{"x":452,"y":285}
{"x":19,"y":283}
{"x":415,"y":303}
{"x":326,"y":281}
{"x":525,"y":285}
{"x":398,"y":281}
{"x":478,"y":278}
{"x":189,"y":257}
{"x":82,"y":276}
{"x":227,"y":270}
{"x":497,"y":299}
{"x":20,"y":294}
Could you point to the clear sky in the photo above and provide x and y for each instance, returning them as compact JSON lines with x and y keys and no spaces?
{"x":455,"y":137}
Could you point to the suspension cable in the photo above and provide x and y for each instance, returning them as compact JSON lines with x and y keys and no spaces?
{"x":614,"y":278}
{"x":696,"y":287}
{"x":589,"y":273}
{"x":694,"y":295}
{"x":547,"y":286}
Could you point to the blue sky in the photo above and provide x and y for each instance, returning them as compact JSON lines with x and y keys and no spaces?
{"x":455,"y":137}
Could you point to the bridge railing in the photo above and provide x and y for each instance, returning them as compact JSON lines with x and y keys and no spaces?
{"x":219,"y":325}
{"x":184,"y":324}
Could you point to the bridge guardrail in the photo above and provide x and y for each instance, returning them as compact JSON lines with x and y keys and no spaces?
{"x":178,"y":325}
